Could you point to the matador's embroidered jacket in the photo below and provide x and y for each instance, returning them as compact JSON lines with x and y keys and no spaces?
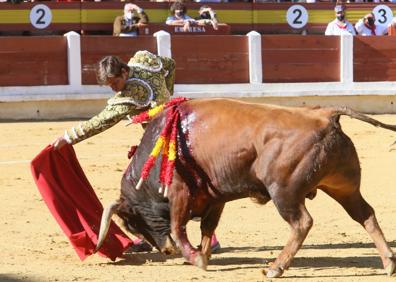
{"x":150,"y":83}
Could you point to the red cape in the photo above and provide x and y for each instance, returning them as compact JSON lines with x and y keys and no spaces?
{"x":73,"y":203}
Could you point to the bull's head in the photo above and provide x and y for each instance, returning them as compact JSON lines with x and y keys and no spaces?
{"x":145,"y":212}
{"x":152,"y":222}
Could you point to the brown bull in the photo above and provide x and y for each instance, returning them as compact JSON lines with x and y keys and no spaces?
{"x":230,"y":150}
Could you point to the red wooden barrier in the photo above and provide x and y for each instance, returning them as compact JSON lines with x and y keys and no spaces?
{"x":94,"y":48}
{"x":206,"y":59}
{"x":296,"y":58}
{"x":374,"y":58}
{"x":28,"y":61}
{"x":211,"y":59}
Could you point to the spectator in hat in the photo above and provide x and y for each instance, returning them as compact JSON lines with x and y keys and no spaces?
{"x":340,"y":26}
{"x":128,"y":24}
{"x":366,"y":26}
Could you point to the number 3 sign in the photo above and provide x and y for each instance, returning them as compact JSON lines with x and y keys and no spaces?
{"x":297,"y":16}
{"x":383,"y":15}
{"x":40,"y":16}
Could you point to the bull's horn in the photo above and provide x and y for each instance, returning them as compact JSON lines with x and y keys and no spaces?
{"x":105,"y":224}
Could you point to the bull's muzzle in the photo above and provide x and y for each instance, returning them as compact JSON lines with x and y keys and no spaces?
{"x":169,"y":247}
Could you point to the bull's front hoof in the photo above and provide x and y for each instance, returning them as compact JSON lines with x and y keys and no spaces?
{"x":273,"y":273}
{"x":391,"y":268}
{"x":201,"y":261}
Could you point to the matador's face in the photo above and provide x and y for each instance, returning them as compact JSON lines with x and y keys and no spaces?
{"x":117,"y":83}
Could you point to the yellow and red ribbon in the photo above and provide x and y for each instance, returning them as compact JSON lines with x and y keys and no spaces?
{"x":150,"y":114}
{"x":166,"y":142}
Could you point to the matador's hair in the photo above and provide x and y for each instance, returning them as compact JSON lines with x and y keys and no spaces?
{"x":110,"y":66}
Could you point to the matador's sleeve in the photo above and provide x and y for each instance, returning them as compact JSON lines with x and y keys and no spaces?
{"x":169,"y":66}
{"x":136,"y":96}
{"x":108,"y":117}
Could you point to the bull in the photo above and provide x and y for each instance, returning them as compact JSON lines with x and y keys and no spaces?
{"x":229,"y":150}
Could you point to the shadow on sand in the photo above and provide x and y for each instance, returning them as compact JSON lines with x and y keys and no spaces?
{"x":392,"y":244}
{"x":15,"y":278}
{"x":237,"y":262}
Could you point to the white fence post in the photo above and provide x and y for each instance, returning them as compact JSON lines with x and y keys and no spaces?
{"x":346,"y":58}
{"x":73,"y":58}
{"x":163,"y":43}
{"x":255,"y":63}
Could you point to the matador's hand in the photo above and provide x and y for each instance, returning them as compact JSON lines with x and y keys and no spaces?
{"x":59,"y":143}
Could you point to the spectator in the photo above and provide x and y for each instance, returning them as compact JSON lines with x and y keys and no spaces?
{"x":340,"y":26}
{"x":179,"y":16}
{"x":367,"y":27}
{"x":207,"y":16}
{"x":128,"y":24}
{"x":392,"y":27}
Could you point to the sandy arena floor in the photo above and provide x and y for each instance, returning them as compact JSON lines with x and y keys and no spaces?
{"x":33,"y":248}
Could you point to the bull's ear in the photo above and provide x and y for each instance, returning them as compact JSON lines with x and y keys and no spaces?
{"x":161,"y":209}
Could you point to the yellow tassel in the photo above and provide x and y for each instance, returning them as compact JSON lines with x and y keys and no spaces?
{"x":154,"y":111}
{"x":157,"y":148}
{"x":172,"y":151}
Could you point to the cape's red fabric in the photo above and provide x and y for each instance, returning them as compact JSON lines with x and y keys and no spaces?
{"x":73,"y":203}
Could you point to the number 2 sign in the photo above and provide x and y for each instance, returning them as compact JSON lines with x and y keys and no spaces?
{"x":297,"y":16}
{"x":40,"y":16}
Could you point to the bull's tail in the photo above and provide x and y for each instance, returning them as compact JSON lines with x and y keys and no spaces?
{"x":356,"y":115}
{"x":105,"y":224}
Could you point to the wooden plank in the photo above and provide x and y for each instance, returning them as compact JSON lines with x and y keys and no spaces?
{"x":94,"y":48}
{"x":300,"y":58}
{"x":211,"y":59}
{"x":28,"y":61}
{"x":374,"y":58}
{"x":300,"y":73}
{"x":300,"y":42}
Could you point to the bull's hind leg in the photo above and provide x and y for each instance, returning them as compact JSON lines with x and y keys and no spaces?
{"x":352,"y":201}
{"x":300,"y":221}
